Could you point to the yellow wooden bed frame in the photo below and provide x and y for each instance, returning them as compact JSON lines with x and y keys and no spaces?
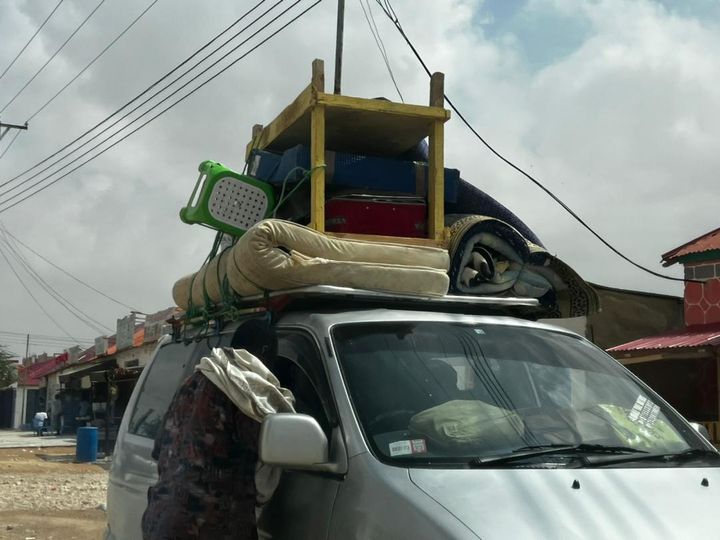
{"x":361,"y":126}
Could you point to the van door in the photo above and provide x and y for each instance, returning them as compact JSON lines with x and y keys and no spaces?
{"x":301,"y":507}
{"x":133,"y":469}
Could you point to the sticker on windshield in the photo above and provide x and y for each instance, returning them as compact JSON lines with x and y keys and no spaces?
{"x":406,"y":448}
{"x":644,"y":412}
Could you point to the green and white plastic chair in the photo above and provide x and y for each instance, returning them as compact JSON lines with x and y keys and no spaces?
{"x":228,"y":201}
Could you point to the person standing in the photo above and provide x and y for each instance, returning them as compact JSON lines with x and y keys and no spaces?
{"x":207,"y":453}
{"x":57,"y":414}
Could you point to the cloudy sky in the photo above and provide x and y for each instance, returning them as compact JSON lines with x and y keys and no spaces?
{"x":613,"y":104}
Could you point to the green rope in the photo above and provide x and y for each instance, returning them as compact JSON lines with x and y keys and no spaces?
{"x":307,"y":174}
{"x":200,"y":316}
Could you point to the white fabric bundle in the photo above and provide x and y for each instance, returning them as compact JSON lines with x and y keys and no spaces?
{"x":252,"y":387}
{"x":248,"y":383}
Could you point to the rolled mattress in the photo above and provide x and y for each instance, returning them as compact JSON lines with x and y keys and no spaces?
{"x":206,"y":284}
{"x":276,"y":254}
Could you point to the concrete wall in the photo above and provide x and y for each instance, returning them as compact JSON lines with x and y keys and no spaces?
{"x":574,"y":324}
{"x":629,"y":315}
{"x":20,"y":395}
{"x":702,"y":300}
{"x":142,"y":354}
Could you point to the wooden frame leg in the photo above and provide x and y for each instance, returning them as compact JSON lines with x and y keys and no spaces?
{"x":436,"y":163}
{"x":317,"y":162}
{"x":436,"y":182}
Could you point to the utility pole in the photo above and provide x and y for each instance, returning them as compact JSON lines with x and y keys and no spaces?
{"x":8,"y":127}
{"x":339,"y":44}
{"x":27,"y":346}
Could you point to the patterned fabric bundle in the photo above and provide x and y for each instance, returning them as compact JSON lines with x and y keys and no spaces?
{"x":490,"y":257}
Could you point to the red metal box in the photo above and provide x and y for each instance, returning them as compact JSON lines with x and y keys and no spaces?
{"x":377,"y":214}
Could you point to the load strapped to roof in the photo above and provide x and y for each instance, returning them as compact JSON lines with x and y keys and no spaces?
{"x":346,"y":192}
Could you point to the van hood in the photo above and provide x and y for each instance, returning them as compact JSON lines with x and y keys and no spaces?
{"x":498,"y":504}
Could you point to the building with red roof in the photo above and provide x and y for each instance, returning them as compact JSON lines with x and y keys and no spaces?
{"x":94,"y":383}
{"x":684,"y":365}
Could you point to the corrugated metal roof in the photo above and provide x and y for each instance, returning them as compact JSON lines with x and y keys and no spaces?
{"x":707,"y":242}
{"x":32,"y":375}
{"x":697,"y":336}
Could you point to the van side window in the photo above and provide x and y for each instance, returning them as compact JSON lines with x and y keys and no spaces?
{"x":166,"y":373}
{"x":300,"y":369}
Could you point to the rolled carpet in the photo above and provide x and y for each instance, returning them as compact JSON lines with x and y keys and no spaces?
{"x":490,"y":257}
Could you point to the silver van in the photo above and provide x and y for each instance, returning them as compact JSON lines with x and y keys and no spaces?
{"x":445,"y":419}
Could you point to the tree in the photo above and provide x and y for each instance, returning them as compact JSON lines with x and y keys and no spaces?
{"x":8,"y":373}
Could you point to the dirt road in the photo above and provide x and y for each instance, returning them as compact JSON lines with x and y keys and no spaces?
{"x":51,"y":498}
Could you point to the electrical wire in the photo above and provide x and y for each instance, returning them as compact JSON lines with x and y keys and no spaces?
{"x":273,"y":34}
{"x":116,"y":122}
{"x":11,"y":143}
{"x":7,"y":335}
{"x":387,"y":9}
{"x":64,"y":302}
{"x":380,"y":45}
{"x":83,"y":70}
{"x":53,"y":56}
{"x":4,"y":256}
{"x":45,"y":342}
{"x":76,"y":312}
{"x":42,"y":343}
{"x":31,"y":39}
{"x":81,"y":282}
{"x":133,"y":100}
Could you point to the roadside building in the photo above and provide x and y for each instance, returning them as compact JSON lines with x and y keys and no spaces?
{"x":95,"y":384}
{"x":626,"y":315}
{"x":31,"y":392}
{"x":683,"y":365}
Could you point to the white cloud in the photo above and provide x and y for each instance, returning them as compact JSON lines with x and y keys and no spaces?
{"x":621,"y":128}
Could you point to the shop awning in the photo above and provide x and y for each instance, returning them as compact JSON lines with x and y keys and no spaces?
{"x":698,"y":336}
{"x":79,"y":371}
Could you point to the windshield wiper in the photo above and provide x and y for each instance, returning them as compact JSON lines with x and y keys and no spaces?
{"x":690,"y":454}
{"x":546,"y":449}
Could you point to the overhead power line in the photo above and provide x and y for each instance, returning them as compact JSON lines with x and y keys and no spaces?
{"x":126,"y":115}
{"x":31,"y":39}
{"x":12,"y":269}
{"x":44,"y":343}
{"x":100,"y":54}
{"x":81,"y":282}
{"x":7,"y":336}
{"x":76,"y":312}
{"x":273,"y":34}
{"x":390,"y":12}
{"x":375,"y":31}
{"x":17,"y":134}
{"x":133,"y":100}
{"x":42,"y":337}
{"x":53,"y":56}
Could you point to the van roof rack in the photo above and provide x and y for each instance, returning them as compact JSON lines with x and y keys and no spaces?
{"x":328,"y":297}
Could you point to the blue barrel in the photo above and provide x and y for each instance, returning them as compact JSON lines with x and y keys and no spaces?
{"x":86,"y":446}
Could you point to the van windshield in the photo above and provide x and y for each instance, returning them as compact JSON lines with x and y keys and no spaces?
{"x":434,"y":391}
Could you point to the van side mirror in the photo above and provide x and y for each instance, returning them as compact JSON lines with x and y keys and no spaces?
{"x":701,"y":429}
{"x":293,"y":441}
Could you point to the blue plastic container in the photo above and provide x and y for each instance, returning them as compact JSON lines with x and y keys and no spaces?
{"x":364,"y":173}
{"x":86,"y":446}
